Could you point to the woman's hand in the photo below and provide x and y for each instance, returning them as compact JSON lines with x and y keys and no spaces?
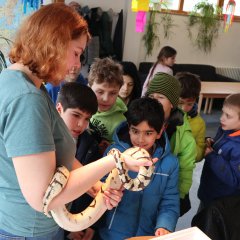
{"x":161,"y":232}
{"x":134,"y":164}
{"x":112,"y":197}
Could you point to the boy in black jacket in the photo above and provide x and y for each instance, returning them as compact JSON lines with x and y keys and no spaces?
{"x":76,"y":103}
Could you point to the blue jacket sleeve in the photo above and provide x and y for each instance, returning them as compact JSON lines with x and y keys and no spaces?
{"x":227,"y":169}
{"x":168,"y":210}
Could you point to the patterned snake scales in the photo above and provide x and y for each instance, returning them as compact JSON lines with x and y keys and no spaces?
{"x":118,"y":177}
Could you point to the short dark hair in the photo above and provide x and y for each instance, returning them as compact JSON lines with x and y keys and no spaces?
{"x":146,"y":109}
{"x":76,"y":95}
{"x":233,"y":100}
{"x":190,"y":84}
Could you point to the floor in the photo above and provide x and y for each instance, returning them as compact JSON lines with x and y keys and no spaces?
{"x":212,"y":121}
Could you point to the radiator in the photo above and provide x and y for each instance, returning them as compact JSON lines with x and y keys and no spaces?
{"x":229,"y":72}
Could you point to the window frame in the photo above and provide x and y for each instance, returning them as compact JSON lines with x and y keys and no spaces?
{"x":181,"y":12}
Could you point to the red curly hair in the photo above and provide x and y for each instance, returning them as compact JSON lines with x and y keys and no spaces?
{"x":42,"y":40}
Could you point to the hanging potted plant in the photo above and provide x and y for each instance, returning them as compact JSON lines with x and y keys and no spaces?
{"x":205,"y":19}
{"x":167,"y":23}
{"x":151,"y":37}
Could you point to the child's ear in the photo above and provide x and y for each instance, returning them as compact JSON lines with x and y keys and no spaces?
{"x":59,"y":108}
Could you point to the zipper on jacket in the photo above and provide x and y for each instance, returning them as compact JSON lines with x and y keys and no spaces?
{"x":139,"y":211}
{"x":112,"y":218}
{"x":218,"y":140}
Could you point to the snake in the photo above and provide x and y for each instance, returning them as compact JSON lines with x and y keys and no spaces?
{"x":117,"y":178}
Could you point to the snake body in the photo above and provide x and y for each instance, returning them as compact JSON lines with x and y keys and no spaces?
{"x":117,"y":178}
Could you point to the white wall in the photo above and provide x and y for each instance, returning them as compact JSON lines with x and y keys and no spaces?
{"x":225,"y":52}
{"x":104,"y":4}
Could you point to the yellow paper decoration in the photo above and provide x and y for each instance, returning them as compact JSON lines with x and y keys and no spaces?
{"x":143,"y":5}
{"x":134,"y":5}
{"x":140,"y":5}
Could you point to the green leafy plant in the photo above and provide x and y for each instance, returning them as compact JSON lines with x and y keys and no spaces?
{"x":167,"y":23}
{"x":205,"y":19}
{"x":151,"y":37}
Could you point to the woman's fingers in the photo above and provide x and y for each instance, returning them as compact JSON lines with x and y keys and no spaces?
{"x":134,"y":164}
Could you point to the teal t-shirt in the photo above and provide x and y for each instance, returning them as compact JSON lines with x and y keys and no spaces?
{"x":29,"y":124}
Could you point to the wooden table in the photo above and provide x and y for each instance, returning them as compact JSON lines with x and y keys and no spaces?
{"x":211,"y":90}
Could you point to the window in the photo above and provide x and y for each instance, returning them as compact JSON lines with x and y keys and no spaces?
{"x":189,"y":4}
{"x":172,"y":4}
{"x":185,"y":6}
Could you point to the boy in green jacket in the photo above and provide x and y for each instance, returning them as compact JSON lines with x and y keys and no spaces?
{"x":106,"y":78}
{"x":166,"y":89}
{"x":190,"y":90}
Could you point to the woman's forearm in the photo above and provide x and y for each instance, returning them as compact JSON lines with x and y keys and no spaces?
{"x":81,"y":179}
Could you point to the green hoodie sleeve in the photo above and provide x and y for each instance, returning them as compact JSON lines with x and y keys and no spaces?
{"x":198,"y":127}
{"x":183,"y":145}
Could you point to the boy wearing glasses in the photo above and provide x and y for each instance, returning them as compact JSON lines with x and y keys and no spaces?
{"x":154,"y":210}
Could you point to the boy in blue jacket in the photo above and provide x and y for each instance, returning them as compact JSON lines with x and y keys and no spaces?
{"x":154,"y":210}
{"x":221,"y":170}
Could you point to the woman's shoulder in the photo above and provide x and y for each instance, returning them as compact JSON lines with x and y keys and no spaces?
{"x":17,"y":83}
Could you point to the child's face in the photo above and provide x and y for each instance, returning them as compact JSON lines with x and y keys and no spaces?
{"x":169,"y":61}
{"x":186,"y":104}
{"x":167,"y":105}
{"x":106,"y":95}
{"x":73,"y":74}
{"x":127,"y":87}
{"x":143,"y":135}
{"x":230,"y":118}
{"x":75,"y":119}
